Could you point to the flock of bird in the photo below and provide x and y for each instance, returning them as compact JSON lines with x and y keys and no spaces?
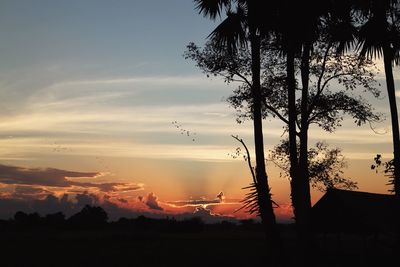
{"x":59,"y":148}
{"x":184,"y":131}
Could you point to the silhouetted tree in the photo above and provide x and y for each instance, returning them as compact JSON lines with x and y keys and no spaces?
{"x":302,"y":25}
{"x":25,"y":220}
{"x":325,"y":107}
{"x":379,"y":36}
{"x":20,"y":216}
{"x":89,"y":217}
{"x":296,"y":25}
{"x":325,"y":166}
{"x":388,"y":169}
{"x":245,"y":24}
{"x":55,"y":219}
{"x":195,"y":224}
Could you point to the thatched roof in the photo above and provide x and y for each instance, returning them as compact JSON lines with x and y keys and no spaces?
{"x":343,"y":210}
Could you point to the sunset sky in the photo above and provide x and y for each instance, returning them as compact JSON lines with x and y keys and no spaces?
{"x":97,"y":102}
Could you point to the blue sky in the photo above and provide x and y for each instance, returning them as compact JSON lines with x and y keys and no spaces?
{"x":99,"y":36}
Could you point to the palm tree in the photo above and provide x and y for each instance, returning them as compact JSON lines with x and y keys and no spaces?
{"x":380,"y":36}
{"x":246,"y":24}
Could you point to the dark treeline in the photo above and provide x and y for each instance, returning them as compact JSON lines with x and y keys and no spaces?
{"x":89,"y":239}
{"x":94,"y":218}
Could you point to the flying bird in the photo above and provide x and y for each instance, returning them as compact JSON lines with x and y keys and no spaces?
{"x":184,"y":131}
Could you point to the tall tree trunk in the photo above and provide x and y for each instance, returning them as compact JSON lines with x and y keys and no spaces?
{"x":263,"y":189}
{"x":304,"y":198}
{"x":300,"y":190}
{"x":304,"y":182}
{"x":388,"y":60}
{"x":387,"y":56}
{"x":291,"y":84}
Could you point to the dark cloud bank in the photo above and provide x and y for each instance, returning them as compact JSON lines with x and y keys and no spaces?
{"x":13,"y":175}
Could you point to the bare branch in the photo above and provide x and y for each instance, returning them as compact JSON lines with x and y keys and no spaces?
{"x":248,"y":159}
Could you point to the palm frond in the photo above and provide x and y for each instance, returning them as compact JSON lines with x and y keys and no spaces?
{"x":395,"y":42}
{"x":343,"y":34}
{"x":231,"y":33}
{"x":211,"y":8}
{"x":372,"y":37}
{"x":251,"y":201}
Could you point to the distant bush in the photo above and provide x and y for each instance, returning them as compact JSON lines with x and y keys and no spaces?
{"x":89,"y":217}
{"x":23,"y":219}
{"x":55,"y":219}
{"x":94,"y":217}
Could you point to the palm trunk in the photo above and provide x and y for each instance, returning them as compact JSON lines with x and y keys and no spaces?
{"x":394,"y":117}
{"x":263,"y":190}
{"x":388,"y":59}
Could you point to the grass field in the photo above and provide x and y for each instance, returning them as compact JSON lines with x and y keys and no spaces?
{"x":208,"y":247}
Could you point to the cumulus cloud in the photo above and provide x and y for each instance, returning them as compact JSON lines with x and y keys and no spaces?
{"x":201,"y":211}
{"x":41,"y":199}
{"x":66,"y":204}
{"x":152,"y":202}
{"x":221,"y":196}
{"x":86,"y":199}
{"x":50,"y":204}
{"x":209,"y":217}
{"x":115,"y":206}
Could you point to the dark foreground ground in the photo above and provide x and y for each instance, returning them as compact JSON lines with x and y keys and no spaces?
{"x":205,"y":246}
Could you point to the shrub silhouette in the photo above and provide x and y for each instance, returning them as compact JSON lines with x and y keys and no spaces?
{"x":55,"y":219}
{"x":25,"y":220}
{"x":89,"y":217}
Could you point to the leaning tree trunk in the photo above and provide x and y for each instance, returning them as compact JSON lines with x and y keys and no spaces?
{"x":263,"y":189}
{"x":387,"y":55}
